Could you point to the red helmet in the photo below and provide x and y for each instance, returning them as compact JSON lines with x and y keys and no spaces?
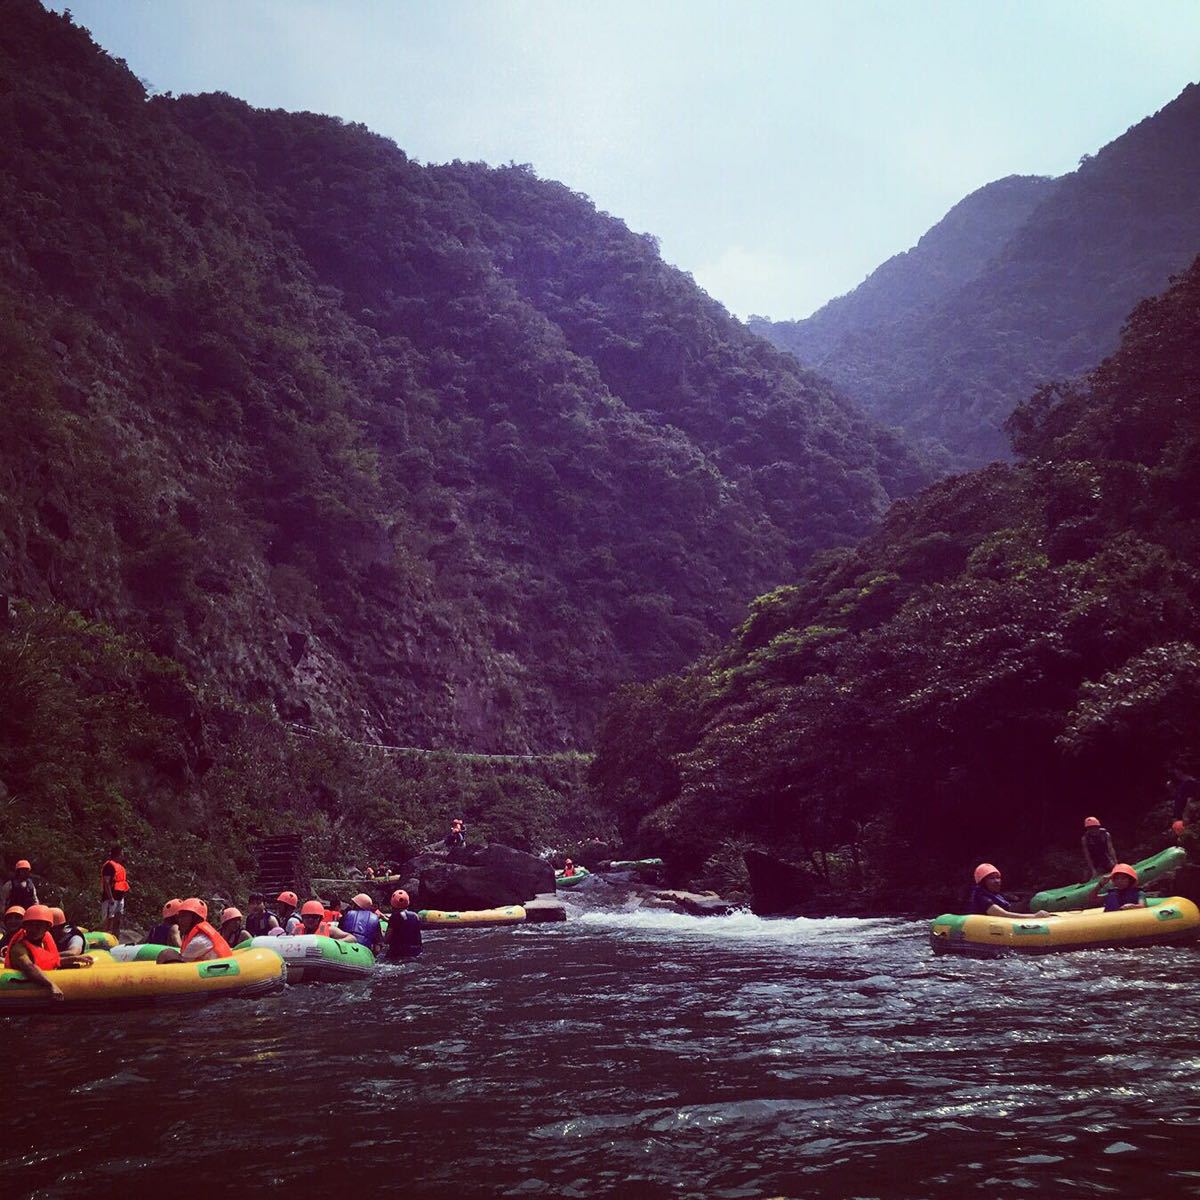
{"x":312,"y":908}
{"x":39,"y":912}
{"x":288,"y":898}
{"x":193,"y":904}
{"x":231,"y":914}
{"x":1177,"y":827}
{"x":1091,"y":822}
{"x":171,"y":908}
{"x":14,"y":908}
{"x":983,"y":871}
{"x":1124,"y":869}
{"x":23,"y":865}
{"x":400,"y":899}
{"x":363,"y":900}
{"x":58,"y":917}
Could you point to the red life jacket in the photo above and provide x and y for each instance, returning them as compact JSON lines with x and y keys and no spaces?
{"x":45,"y":956}
{"x":220,"y":945}
{"x":321,"y":930}
{"x":568,"y":872}
{"x":120,"y":884}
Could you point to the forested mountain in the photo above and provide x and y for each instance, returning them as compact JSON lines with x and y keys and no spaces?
{"x":1012,"y":650}
{"x":432,"y":454}
{"x":1048,"y":304}
{"x":949,"y":255}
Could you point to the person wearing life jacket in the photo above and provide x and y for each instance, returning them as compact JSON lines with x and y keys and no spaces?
{"x":1098,"y":850}
{"x":199,"y":941}
{"x":1124,"y":892}
{"x":313,"y":920}
{"x":986,"y":899}
{"x":568,"y":869}
{"x":362,"y":922}
{"x":31,"y":950}
{"x":114,"y":887}
{"x":19,"y":889}
{"x":14,"y":914}
{"x":289,"y":916}
{"x":233,"y":928}
{"x":457,"y":835}
{"x":260,"y":921}
{"x":68,"y":938}
{"x":166,"y":932}
{"x":404,"y":929}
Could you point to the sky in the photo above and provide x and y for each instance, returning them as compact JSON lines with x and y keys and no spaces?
{"x":778,"y":149}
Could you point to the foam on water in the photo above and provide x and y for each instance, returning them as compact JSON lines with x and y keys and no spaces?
{"x":737,"y":926}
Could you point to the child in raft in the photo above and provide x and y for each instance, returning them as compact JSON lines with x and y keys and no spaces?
{"x":1124,"y":892}
{"x":986,"y":900}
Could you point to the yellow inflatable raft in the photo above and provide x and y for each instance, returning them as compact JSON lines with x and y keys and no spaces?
{"x":111,"y":984}
{"x":1173,"y":920}
{"x":511,"y":915}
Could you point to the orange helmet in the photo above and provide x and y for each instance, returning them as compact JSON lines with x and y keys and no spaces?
{"x":363,"y":900}
{"x":1091,"y":822}
{"x":288,"y":898}
{"x":57,"y":916}
{"x":171,"y":908}
{"x":1124,"y":869}
{"x":400,"y":899}
{"x":39,"y":912}
{"x":14,"y":908}
{"x":231,"y":914}
{"x":983,"y":871}
{"x":1177,"y":827}
{"x":312,"y":908}
{"x":23,"y":864}
{"x":193,"y":904}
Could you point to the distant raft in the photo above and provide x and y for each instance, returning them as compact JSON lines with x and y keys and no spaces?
{"x":1077,"y":895}
{"x":567,"y":881}
{"x":635,"y":864}
{"x":1163,"y":921}
{"x":112,"y":984}
{"x":473,"y":918}
{"x":312,"y":958}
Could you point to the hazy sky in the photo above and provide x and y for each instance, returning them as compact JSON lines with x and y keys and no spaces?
{"x":780,"y":149}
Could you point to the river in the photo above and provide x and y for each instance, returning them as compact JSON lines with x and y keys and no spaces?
{"x":635,"y":1054}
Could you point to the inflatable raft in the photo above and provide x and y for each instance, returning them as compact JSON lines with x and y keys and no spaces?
{"x":475,"y":918}
{"x":112,"y":984}
{"x":145,"y":952}
{"x":97,"y":939}
{"x":311,"y":958}
{"x":566,"y":881}
{"x":1163,"y":921}
{"x":1076,"y":895}
{"x":635,"y":864}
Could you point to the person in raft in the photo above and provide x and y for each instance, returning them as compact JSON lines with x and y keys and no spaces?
{"x":67,"y":937}
{"x":31,"y":950}
{"x":289,"y":911}
{"x":313,"y":920}
{"x":568,"y":869}
{"x":1098,"y":850}
{"x":14,"y":914}
{"x":986,"y":900}
{"x":114,"y":887}
{"x":362,"y":922}
{"x":233,"y":928}
{"x":166,"y":932}
{"x":1124,"y":892}
{"x":404,"y":930}
{"x":199,"y":941}
{"x":19,"y":889}
{"x":260,"y":921}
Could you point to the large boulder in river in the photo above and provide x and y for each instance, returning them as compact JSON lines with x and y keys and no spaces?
{"x":483,"y":877}
{"x":525,"y":875}
{"x":777,"y":886}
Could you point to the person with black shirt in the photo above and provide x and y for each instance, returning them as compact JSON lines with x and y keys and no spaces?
{"x":19,"y":889}
{"x":166,"y":932}
{"x":986,"y":900}
{"x":1098,"y":851}
{"x":260,"y":921}
{"x":404,"y":930}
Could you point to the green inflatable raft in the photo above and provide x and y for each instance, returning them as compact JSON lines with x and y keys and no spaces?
{"x":635,"y":864}
{"x":1080,"y":895}
{"x":568,"y":881}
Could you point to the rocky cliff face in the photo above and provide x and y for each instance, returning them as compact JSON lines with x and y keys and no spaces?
{"x":437,"y":456}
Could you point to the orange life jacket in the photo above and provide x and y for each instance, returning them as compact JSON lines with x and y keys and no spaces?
{"x":45,"y":956}
{"x":568,"y":872}
{"x":120,"y":884}
{"x":220,"y":945}
{"x":321,"y":930}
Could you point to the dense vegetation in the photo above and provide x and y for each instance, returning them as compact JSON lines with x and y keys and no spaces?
{"x":944,"y":342}
{"x":1014,"y":649}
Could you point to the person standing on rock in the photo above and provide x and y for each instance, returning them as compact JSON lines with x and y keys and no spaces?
{"x":404,"y":930}
{"x":1098,"y":851}
{"x":19,"y":890}
{"x":114,"y":887}
{"x":457,"y":835}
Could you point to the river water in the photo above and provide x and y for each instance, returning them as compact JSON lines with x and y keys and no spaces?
{"x":635,"y":1054}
